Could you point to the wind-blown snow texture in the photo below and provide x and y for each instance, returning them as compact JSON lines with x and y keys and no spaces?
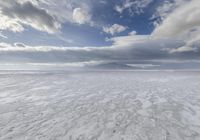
{"x":100,"y":106}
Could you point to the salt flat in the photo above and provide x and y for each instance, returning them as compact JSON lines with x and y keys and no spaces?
{"x":120,"y":105}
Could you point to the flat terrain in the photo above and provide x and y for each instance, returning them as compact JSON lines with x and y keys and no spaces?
{"x":120,"y":105}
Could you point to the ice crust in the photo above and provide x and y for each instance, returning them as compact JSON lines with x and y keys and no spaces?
{"x":121,"y":105}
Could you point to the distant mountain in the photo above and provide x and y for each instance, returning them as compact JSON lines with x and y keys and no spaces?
{"x":119,"y":66}
{"x":111,"y":66}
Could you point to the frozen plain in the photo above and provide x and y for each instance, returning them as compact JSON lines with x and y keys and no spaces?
{"x":120,"y":105}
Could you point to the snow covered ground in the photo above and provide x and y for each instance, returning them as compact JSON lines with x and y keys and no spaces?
{"x":121,"y":105}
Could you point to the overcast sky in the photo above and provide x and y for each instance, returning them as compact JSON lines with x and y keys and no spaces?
{"x":61,"y":34}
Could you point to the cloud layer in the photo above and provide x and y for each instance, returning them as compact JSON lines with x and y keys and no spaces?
{"x":126,"y":50}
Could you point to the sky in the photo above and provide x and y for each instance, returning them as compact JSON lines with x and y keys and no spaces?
{"x":122,"y":34}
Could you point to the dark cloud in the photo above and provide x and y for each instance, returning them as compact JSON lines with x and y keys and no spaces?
{"x":28,"y":14}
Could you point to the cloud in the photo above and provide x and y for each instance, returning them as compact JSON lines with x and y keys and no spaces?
{"x":15,"y":15}
{"x":181,"y":20}
{"x":133,"y":33}
{"x":52,"y":66}
{"x":103,"y":2}
{"x":183,"y":49}
{"x":3,"y":36}
{"x":64,"y":9}
{"x":133,"y":7}
{"x":72,"y":64}
{"x":119,"y":9}
{"x":75,"y":11}
{"x":81,"y":16}
{"x":143,"y":66}
{"x":128,"y":41}
{"x":164,"y":9}
{"x":114,"y":29}
{"x":7,"y":23}
{"x":19,"y":45}
{"x":4,"y":45}
{"x":182,"y":24}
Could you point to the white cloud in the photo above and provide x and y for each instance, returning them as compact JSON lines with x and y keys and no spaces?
{"x":133,"y":33}
{"x":143,"y":66}
{"x":165,"y":8}
{"x":19,"y":44}
{"x":81,"y":16}
{"x":2,"y":35}
{"x":128,"y":41}
{"x":183,"y":49}
{"x":7,"y":23}
{"x":72,"y":64}
{"x":182,"y":24}
{"x":133,"y":7}
{"x":119,"y":9}
{"x":52,"y":66}
{"x":103,"y":1}
{"x":4,"y":45}
{"x":181,"y":20}
{"x":114,"y":29}
{"x":64,"y":9}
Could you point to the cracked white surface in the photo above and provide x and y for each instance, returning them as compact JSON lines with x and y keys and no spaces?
{"x":100,"y":106}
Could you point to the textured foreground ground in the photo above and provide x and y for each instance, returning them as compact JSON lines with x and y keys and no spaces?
{"x":100,"y":106}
